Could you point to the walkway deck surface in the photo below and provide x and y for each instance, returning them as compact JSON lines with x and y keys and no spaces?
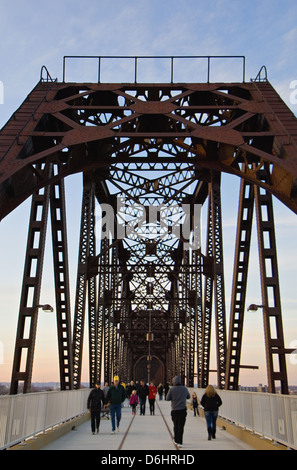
{"x":147,"y":433}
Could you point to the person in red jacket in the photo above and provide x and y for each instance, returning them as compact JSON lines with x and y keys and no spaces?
{"x":152,"y":397}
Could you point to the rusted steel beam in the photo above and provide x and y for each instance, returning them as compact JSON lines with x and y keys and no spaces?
{"x":240,"y":274}
{"x":235,"y":123}
{"x":271,"y":298}
{"x":30,"y":295}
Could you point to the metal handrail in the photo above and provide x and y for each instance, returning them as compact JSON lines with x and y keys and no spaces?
{"x":136,"y":59}
{"x":258,"y":77}
{"x":48,"y":76}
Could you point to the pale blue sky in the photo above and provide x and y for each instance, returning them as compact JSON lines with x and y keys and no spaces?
{"x":40,"y":33}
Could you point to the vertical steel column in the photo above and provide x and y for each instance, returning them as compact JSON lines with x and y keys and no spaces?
{"x":86,"y":269}
{"x":124,"y":313}
{"x":191,"y":306}
{"x":207,"y":307}
{"x":92,"y":294}
{"x":219,"y":291}
{"x":114,"y":344}
{"x":129,"y":361}
{"x":183,"y":349}
{"x":272,"y":314}
{"x":197,"y":288}
{"x":102,"y":288}
{"x":215,"y":251}
{"x":172,"y":367}
{"x":182,"y":354}
{"x":175,"y":356}
{"x":241,"y":263}
{"x":61,"y":275}
{"x":30,"y":295}
{"x":188,"y":351}
{"x":108,"y":366}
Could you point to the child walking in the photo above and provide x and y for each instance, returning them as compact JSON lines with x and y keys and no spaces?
{"x":195,"y":403}
{"x":134,"y":401}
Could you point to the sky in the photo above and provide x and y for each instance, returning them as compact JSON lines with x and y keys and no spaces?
{"x":34,"y":34}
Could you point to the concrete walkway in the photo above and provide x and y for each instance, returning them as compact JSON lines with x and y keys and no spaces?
{"x":146,"y":433}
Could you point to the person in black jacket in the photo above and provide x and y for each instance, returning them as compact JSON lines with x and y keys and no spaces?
{"x":211,"y":402}
{"x":142,"y":393}
{"x":130,"y":388}
{"x":116,"y":395}
{"x":95,"y":400}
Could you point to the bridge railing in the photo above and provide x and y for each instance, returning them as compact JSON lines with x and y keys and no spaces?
{"x":24,"y":416}
{"x":269,"y":415}
{"x":139,"y":68}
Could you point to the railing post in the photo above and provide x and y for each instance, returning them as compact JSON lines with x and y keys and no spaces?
{"x":243,"y":78}
{"x":64,"y":67}
{"x":99,"y":69}
{"x":135,"y":70}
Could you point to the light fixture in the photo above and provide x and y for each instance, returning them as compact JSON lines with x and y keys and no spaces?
{"x":150,"y":336}
{"x":46,"y":308}
{"x":254,"y":307}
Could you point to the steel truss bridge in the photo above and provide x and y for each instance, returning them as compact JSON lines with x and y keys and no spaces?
{"x":151,"y":154}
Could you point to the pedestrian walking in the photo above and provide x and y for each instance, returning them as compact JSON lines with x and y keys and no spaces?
{"x":94,"y":404}
{"x":105,"y":389}
{"x":130,"y":388}
{"x":194,"y":403}
{"x":178,"y":395}
{"x":152,"y":397}
{"x":134,"y":401}
{"x":142,"y":394}
{"x":160,"y":391}
{"x":166,"y":389}
{"x":115,"y":396}
{"x":211,"y":402}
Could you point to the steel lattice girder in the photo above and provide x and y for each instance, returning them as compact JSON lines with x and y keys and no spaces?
{"x":90,"y":126}
{"x":116,"y":134}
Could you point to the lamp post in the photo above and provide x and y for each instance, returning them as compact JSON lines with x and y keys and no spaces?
{"x":149,"y":338}
{"x":270,"y":350}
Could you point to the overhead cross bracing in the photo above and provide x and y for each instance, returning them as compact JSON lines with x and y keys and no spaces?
{"x":151,"y":155}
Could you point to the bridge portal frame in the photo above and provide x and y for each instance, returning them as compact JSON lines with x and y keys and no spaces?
{"x":241,"y":128}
